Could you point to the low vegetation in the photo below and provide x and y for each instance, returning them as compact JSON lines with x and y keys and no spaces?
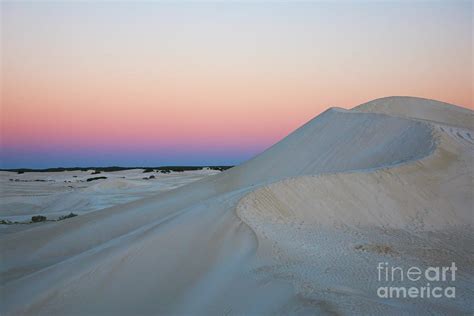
{"x":95,"y":178}
{"x":116,"y":168}
{"x":36,"y":180}
{"x":70,"y":215}
{"x":38,"y":219}
{"x":7,"y":222}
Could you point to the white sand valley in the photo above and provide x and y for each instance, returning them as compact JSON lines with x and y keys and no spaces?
{"x":299,"y":229}
{"x":55,"y":194}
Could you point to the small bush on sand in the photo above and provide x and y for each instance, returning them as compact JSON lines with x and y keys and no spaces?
{"x":96,"y":172}
{"x":95,"y":178}
{"x":67,"y":216}
{"x":148,"y":170}
{"x":38,"y":218}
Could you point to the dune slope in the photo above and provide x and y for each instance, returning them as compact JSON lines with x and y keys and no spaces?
{"x":298,"y":229}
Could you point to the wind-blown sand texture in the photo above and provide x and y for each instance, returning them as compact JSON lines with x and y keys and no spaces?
{"x":299,"y":229}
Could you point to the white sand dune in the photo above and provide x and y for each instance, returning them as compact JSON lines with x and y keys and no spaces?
{"x":298,"y":229}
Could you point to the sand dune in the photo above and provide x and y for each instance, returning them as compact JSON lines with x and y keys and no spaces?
{"x":298,"y":229}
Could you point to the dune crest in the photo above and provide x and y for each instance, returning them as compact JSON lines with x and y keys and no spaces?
{"x":298,"y":229}
{"x":419,"y":108}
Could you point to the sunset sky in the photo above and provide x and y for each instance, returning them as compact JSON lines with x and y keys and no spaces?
{"x":162,"y":83}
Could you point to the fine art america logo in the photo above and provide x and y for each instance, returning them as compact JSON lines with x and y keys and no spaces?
{"x":434,"y":281}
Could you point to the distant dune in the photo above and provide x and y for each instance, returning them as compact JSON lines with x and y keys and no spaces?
{"x":299,"y":229}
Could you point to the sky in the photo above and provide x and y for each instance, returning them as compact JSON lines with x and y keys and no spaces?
{"x":95,"y":83}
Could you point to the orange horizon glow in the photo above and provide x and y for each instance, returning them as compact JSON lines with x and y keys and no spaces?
{"x":189,"y":80}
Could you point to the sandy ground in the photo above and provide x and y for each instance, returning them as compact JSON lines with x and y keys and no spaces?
{"x":55,"y":194}
{"x":299,"y":229}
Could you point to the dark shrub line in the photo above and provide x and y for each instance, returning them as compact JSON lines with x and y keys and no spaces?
{"x":38,"y":219}
{"x":95,"y":178}
{"x":116,"y":168}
